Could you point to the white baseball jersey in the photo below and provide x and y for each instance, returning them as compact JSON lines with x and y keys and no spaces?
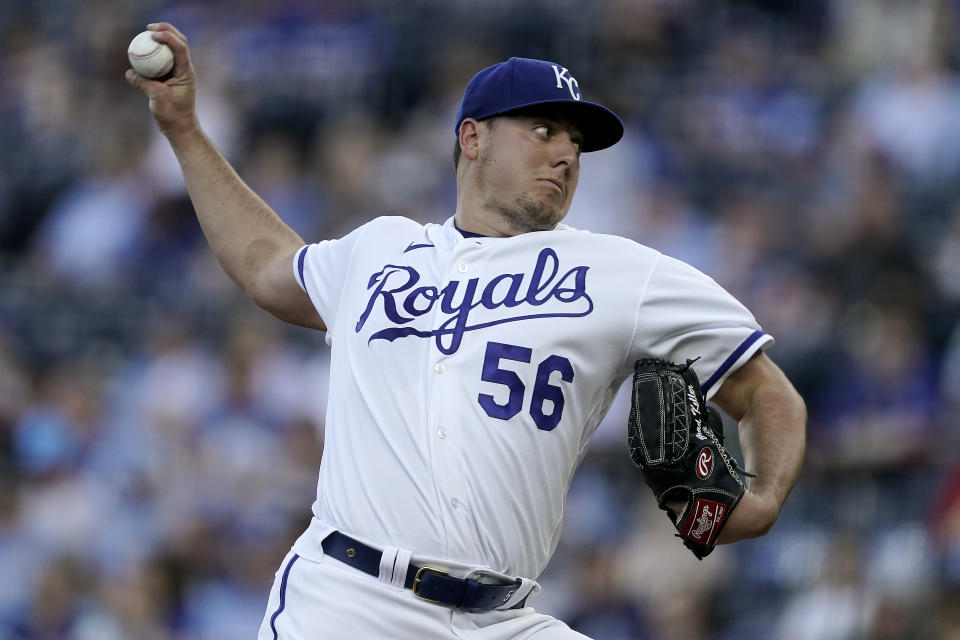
{"x":468,"y":374}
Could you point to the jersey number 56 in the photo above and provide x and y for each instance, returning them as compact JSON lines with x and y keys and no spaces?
{"x":542,"y":389}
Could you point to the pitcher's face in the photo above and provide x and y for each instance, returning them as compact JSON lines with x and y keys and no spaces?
{"x":529,"y":168}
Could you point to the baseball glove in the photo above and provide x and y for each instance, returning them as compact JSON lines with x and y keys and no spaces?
{"x":677,"y":441}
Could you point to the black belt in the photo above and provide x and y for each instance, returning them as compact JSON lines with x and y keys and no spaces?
{"x":427,"y":583}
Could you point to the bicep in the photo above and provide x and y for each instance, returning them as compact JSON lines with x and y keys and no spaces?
{"x":277,"y":291}
{"x":739,"y":389}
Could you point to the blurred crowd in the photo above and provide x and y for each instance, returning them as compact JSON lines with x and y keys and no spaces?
{"x":160,"y":436}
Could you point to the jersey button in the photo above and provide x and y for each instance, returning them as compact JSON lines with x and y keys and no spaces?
{"x":454,"y":503}
{"x":441,"y":433}
{"x":462,"y":267}
{"x":439,"y":367}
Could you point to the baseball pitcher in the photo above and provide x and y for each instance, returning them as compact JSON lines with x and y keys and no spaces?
{"x":472,"y":360}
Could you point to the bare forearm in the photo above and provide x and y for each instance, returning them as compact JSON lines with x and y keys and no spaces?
{"x":252,"y":243}
{"x":244,"y":233}
{"x":242,"y":230}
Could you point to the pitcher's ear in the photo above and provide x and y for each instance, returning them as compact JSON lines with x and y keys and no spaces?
{"x":469,"y":138}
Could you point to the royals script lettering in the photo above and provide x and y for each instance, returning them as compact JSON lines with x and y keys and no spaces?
{"x":397,"y":291}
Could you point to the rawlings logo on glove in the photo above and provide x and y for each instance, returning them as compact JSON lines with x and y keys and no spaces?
{"x":667,"y":412}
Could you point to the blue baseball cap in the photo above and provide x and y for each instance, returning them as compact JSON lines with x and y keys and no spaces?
{"x":523,"y":82}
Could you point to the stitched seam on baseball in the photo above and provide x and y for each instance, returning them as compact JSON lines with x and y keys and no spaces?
{"x":152,"y":52}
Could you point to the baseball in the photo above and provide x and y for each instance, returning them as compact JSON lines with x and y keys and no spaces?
{"x":148,"y":57}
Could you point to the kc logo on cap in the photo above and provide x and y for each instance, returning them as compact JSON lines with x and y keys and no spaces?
{"x":524,"y":82}
{"x":564,"y":76}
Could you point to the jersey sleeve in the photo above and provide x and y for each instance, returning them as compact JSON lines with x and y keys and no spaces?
{"x":685,"y":314}
{"x":321,"y":271}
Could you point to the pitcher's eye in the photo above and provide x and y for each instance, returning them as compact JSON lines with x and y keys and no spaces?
{"x":542,"y":130}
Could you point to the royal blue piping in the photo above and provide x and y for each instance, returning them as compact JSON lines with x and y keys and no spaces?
{"x":732,"y":358}
{"x":283,"y":595}
{"x":303,"y":254}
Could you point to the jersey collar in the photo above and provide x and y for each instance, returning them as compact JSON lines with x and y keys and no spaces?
{"x":452,"y":226}
{"x":468,"y":234}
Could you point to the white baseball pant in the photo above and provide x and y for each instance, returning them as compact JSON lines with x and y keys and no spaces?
{"x":325,"y":599}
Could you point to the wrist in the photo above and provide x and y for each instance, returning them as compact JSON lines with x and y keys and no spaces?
{"x":184,"y":134}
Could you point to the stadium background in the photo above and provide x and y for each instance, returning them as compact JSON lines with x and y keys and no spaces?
{"x":159,"y":435}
